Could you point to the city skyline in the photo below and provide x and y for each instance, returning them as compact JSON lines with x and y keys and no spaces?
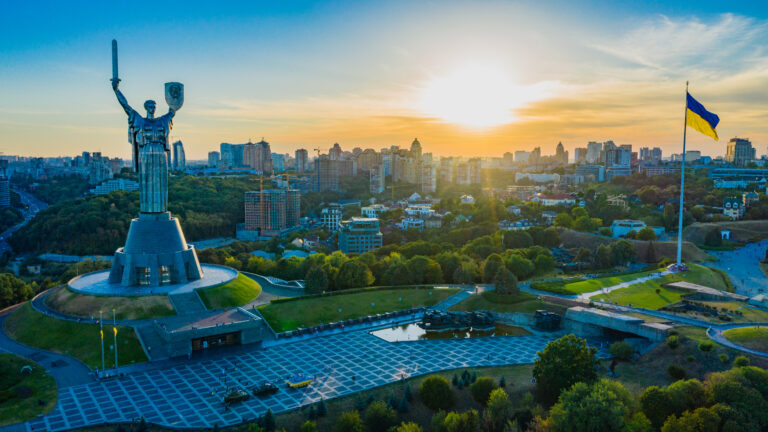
{"x":539,"y":76}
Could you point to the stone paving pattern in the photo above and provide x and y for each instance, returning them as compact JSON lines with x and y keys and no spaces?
{"x":190,"y":395}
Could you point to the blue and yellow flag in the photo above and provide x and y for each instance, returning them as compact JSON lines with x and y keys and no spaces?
{"x":697,"y":117}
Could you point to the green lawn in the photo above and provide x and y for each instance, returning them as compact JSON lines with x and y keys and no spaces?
{"x":136,"y":308}
{"x":81,"y":341}
{"x":644,"y":294}
{"x":308,"y":312}
{"x":235,"y":293}
{"x":591,"y":285}
{"x":750,"y":337}
{"x":19,"y":394}
{"x":491,"y":301}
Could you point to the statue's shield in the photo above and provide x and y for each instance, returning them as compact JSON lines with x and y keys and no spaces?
{"x":174,"y":95}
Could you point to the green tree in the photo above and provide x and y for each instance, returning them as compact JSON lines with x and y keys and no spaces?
{"x":623,"y":251}
{"x":563,"y":220}
{"x":424,"y":270}
{"x":308,"y":426}
{"x":408,"y":427}
{"x":603,"y":257}
{"x":638,"y":423}
{"x":700,"y":420}
{"x":379,"y":417}
{"x":349,"y":421}
{"x":316,"y":280}
{"x":551,"y":237}
{"x":354,"y":274}
{"x":517,"y":239}
{"x":269,"y":421}
{"x":583,"y":255}
{"x":397,"y":274}
{"x":670,"y":217}
{"x":621,"y":350}
{"x":646,"y":234}
{"x":467,"y":421}
{"x":436,"y":393}
{"x":505,"y":282}
{"x":588,"y":408}
{"x":578,"y":212}
{"x":499,"y":409}
{"x":481,"y":389}
{"x":491,"y":266}
{"x":544,"y":263}
{"x":562,"y":363}
{"x":521,"y":267}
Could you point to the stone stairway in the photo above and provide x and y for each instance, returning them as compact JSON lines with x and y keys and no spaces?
{"x":187,"y":303}
{"x":154,"y":345}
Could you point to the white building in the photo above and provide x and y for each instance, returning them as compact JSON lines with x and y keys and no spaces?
{"x":553,"y":200}
{"x":412,"y":223}
{"x":733,"y":208}
{"x":622,"y":227}
{"x":538,"y":177}
{"x":467,"y":199}
{"x":115,"y":185}
{"x":421,"y":211}
{"x":373,"y":211}
{"x":330,"y":217}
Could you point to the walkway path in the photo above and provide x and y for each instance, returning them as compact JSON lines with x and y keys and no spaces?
{"x":606,"y":290}
{"x":66,"y":370}
{"x":716,"y":334}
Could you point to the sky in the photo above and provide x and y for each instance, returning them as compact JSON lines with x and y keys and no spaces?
{"x":467,"y":78}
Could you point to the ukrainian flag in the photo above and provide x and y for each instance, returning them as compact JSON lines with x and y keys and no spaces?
{"x":697,"y":117}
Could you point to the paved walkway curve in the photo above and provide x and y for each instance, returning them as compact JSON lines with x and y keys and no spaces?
{"x":716,"y":334}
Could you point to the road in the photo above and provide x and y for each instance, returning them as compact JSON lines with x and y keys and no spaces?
{"x":743,"y":266}
{"x":33,"y":206}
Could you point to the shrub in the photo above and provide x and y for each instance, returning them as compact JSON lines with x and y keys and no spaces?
{"x":723,"y":358}
{"x":741,"y":361}
{"x":621,"y":350}
{"x":379,"y":417}
{"x":706,"y":346}
{"x":436,"y":393}
{"x":349,"y":422}
{"x":690,"y":359}
{"x":673,"y":341}
{"x":676,"y":371}
{"x":481,"y":389}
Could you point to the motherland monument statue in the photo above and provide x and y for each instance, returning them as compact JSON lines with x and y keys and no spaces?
{"x":155,"y":251}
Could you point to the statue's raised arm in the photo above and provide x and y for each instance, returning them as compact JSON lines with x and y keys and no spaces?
{"x":121,"y":98}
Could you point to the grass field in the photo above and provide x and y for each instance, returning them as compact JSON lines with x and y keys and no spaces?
{"x":20,"y":393}
{"x":491,"y":301}
{"x":644,"y":294}
{"x":750,"y":337}
{"x":741,"y":231}
{"x":308,"y":312}
{"x":235,"y":293}
{"x":134,"y":308}
{"x":81,"y":341}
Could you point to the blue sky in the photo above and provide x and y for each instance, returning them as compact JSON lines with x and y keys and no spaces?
{"x":306,"y":74}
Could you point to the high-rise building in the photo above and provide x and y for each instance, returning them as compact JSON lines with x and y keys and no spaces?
{"x":330,"y":217}
{"x":278,"y":162}
{"x":446,"y":170}
{"x":272,"y":210}
{"x":368,"y":159}
{"x":301,"y":160}
{"x":650,"y":155}
{"x":618,"y":161}
{"x":377,"y":180}
{"x":179,"y":158}
{"x":462,"y":173}
{"x":428,"y":178}
{"x":213,"y":159}
{"x":594,"y":150}
{"x":5,"y":187}
{"x":335,"y":152}
{"x":561,"y":156}
{"x":591,"y":173}
{"x":416,"y":149}
{"x":475,"y":171}
{"x":86,"y":158}
{"x":359,"y":235}
{"x":522,"y":157}
{"x":326,"y":174}
{"x":739,"y":151}
{"x":580,"y":155}
{"x":99,"y":169}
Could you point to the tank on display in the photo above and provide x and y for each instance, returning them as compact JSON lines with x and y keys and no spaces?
{"x":435,"y":320}
{"x":235,"y":396}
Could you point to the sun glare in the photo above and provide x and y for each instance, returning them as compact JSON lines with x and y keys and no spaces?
{"x":475,"y":96}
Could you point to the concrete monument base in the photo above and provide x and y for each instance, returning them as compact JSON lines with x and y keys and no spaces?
{"x":155,"y":254}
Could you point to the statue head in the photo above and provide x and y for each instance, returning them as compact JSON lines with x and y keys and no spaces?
{"x":150,"y":107}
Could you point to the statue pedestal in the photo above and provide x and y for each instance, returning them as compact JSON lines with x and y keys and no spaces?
{"x":155,"y":253}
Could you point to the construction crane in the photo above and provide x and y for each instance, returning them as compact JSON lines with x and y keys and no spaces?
{"x":393,"y":187}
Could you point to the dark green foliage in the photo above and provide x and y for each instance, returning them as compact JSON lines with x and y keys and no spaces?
{"x":481,"y":389}
{"x":656,"y":405}
{"x":379,"y":417}
{"x":312,"y":414}
{"x":505,"y":282}
{"x":561,"y":364}
{"x":676,"y":371}
{"x":360,"y":404}
{"x":588,"y":408}
{"x":408,"y":393}
{"x":741,"y":361}
{"x":392,"y":401}
{"x":436,"y":393}
{"x":713,"y":238}
{"x":13,"y":290}
{"x":621,"y":350}
{"x":322,"y":409}
{"x":455,"y":380}
{"x":317,"y":280}
{"x":673,"y":341}
{"x":269,"y":421}
{"x":502,"y":382}
{"x":350,"y":422}
{"x":404,"y":406}
{"x":706,"y":346}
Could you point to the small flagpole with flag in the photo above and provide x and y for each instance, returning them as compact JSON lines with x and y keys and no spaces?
{"x":682,"y":186}
{"x":114,"y":327}
{"x":101,"y":331}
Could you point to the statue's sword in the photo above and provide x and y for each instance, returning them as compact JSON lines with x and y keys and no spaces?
{"x":114,"y":61}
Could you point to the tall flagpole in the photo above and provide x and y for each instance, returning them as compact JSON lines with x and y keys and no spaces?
{"x":682,"y":186}
{"x":101,"y":331}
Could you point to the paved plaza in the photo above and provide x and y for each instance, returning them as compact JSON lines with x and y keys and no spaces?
{"x":190,"y":395}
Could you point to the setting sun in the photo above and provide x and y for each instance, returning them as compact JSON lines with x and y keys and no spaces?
{"x":475,"y":96}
